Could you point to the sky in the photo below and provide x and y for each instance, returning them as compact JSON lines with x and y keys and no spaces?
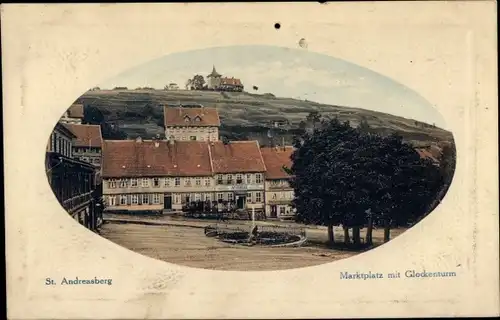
{"x":285,"y":72}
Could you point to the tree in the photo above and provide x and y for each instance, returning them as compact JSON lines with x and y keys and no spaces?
{"x":364,"y":126}
{"x":196,"y":83}
{"x":342,"y":176}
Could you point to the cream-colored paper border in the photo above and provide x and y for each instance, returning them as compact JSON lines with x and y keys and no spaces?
{"x":53,"y":53}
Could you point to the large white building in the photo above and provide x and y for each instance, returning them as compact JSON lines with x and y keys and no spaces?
{"x":191,"y":124}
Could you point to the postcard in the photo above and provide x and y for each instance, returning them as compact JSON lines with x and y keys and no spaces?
{"x":251,"y":160}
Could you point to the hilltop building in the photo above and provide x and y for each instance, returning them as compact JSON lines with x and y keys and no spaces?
{"x":216,"y":82}
{"x":191,"y":124}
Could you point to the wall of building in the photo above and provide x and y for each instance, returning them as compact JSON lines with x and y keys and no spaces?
{"x":60,"y":143}
{"x":230,"y":187}
{"x":67,"y":119}
{"x":121,"y":194}
{"x":90,"y":155}
{"x":213,"y":82}
{"x":192,"y":133}
{"x":279,"y":196}
{"x":179,"y":189}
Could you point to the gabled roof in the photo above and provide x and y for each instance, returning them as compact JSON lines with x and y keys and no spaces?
{"x":275,"y":159}
{"x":76,"y":111}
{"x":236,"y":157}
{"x":426,"y":154}
{"x":87,"y":135}
{"x":230,"y":81}
{"x":177,"y":116}
{"x":131,"y":158}
{"x":64,"y":130}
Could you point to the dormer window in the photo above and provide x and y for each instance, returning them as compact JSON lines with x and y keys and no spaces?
{"x":186,"y":119}
{"x":197,"y":119}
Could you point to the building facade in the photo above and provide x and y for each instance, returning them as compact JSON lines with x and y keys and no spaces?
{"x":239,"y":170}
{"x":61,"y":141}
{"x":156,"y":175}
{"x":169,"y":175}
{"x":74,"y":114}
{"x":279,"y":193}
{"x":191,"y":124}
{"x":87,"y":146}
{"x":72,"y":181}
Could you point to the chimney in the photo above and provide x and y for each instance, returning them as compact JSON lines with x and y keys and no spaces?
{"x":157,"y":144}
{"x":138,"y":139}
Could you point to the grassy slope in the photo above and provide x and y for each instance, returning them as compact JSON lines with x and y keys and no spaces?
{"x":244,"y":112}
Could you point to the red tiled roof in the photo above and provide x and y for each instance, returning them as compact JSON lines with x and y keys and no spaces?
{"x":426,"y":154}
{"x":87,"y":135}
{"x":275,"y":159}
{"x":199,"y":117}
{"x":129,"y":158}
{"x":230,"y":81}
{"x":236,"y":156}
{"x":76,"y":111}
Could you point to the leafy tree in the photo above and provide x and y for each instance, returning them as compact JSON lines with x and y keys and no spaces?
{"x":342,"y":176}
{"x":196,"y":83}
{"x":364,"y":126}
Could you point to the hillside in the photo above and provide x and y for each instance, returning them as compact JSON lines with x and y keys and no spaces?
{"x":243,"y":115}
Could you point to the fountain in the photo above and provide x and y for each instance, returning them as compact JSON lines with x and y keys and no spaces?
{"x":263,"y":235}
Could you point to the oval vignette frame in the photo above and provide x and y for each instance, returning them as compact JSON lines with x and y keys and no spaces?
{"x":268,"y":93}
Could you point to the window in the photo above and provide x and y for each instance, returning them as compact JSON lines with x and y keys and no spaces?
{"x":282,"y":210}
{"x":230,"y":196}
{"x":207,"y":182}
{"x":177,"y":182}
{"x":156,"y":198}
{"x":156,"y":182}
{"x":282,"y":195}
{"x":123,"y":200}
{"x":112,"y":201}
{"x":258,"y":178}
{"x":249,"y":178}
{"x":133,"y":182}
{"x":112,"y":183}
{"x":197,"y":197}
{"x":249,"y":197}
{"x":183,"y":138}
{"x":208,"y":197}
{"x":145,"y":198}
{"x":97,"y":160}
{"x":167,"y":182}
{"x":187,"y":182}
{"x":123,"y":183}
{"x":274,"y":196}
{"x":219,"y":179}
{"x":135,"y":199}
{"x":145,"y":182}
{"x":220,"y":196}
{"x":239,"y":179}
{"x":177,"y":198}
{"x":229,"y":179}
{"x":198,"y":181}
{"x":192,"y":138}
{"x":258,"y":197}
